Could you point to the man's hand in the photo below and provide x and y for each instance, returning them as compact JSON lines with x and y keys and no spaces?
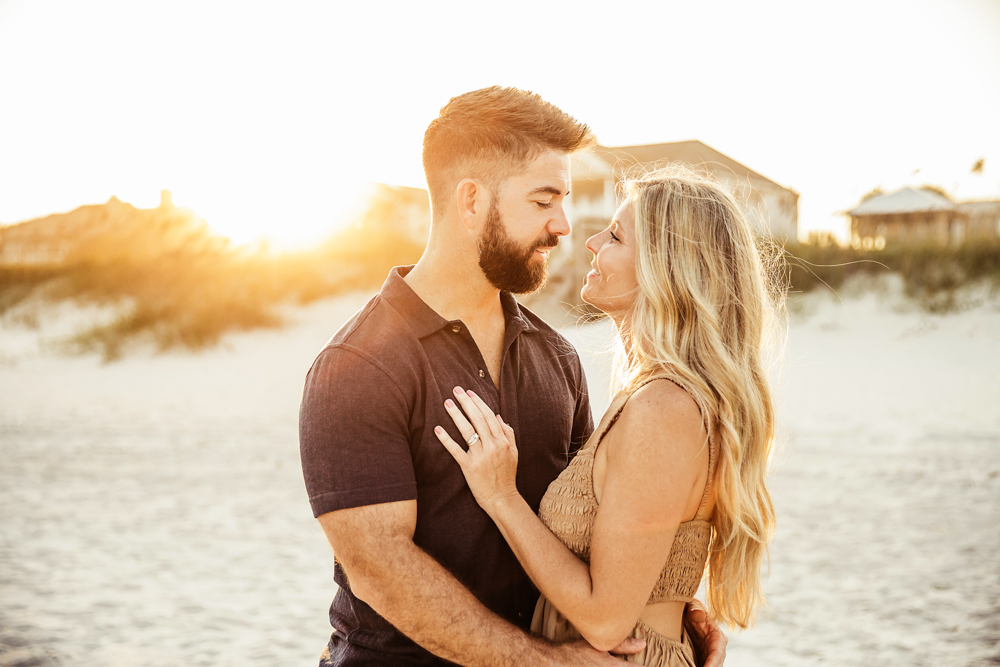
{"x":629,"y":646}
{"x":706,"y":635}
{"x":582,"y":654}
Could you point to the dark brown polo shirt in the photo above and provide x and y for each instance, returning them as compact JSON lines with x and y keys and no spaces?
{"x":366,"y":432}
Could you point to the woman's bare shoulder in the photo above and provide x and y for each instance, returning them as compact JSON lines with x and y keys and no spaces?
{"x":656,"y":460}
{"x":663,"y":399}
{"x":662,"y":415}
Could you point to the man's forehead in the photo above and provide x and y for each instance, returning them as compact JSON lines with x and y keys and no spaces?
{"x":549,"y":173}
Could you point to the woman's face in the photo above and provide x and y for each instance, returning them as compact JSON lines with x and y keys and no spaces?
{"x":611,"y":285}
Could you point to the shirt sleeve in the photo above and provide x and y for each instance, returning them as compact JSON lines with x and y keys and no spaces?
{"x":583,"y":418}
{"x":354,"y":434}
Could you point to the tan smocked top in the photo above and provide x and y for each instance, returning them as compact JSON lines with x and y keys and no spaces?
{"x":569,"y":508}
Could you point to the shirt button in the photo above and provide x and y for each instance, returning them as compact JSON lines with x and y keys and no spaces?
{"x":456,"y":328}
{"x":482,"y":374}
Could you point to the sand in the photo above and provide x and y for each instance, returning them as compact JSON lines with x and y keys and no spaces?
{"x":152,"y":510}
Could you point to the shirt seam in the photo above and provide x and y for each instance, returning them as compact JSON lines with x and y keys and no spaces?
{"x":358,"y":352}
{"x":388,"y":487}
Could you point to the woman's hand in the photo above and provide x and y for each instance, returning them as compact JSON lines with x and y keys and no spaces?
{"x":490,"y":463}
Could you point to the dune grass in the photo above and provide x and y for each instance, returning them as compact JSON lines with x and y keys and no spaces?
{"x":932,"y":275}
{"x":190,"y":290}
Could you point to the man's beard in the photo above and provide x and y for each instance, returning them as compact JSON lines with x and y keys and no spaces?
{"x":507,"y":265}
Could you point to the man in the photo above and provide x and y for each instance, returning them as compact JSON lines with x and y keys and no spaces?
{"x":425,"y":577}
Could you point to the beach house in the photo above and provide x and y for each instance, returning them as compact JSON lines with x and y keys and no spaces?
{"x":772,"y":208}
{"x":922,"y":215}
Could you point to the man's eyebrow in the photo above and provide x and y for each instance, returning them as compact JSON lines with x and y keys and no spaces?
{"x":547,"y":190}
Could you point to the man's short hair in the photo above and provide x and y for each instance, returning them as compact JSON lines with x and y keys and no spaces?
{"x":491,"y":134}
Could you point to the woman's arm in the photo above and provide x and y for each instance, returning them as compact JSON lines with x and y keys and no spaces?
{"x":655,"y":472}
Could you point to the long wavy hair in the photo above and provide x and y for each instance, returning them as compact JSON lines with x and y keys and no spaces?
{"x":708,"y":303}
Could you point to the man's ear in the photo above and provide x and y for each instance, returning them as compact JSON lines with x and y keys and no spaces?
{"x":471,"y":199}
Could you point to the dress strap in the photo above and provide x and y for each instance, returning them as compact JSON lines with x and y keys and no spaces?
{"x":708,"y":432}
{"x":711,"y":478}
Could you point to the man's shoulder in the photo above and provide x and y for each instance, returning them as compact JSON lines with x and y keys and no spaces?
{"x":377,"y":335}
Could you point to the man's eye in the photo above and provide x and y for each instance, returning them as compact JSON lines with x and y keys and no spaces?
{"x":544,"y":204}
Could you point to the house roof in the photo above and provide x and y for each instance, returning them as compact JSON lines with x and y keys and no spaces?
{"x":689,"y":152}
{"x":907,"y":200}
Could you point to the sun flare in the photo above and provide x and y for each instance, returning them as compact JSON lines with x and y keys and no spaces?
{"x":282,"y":219}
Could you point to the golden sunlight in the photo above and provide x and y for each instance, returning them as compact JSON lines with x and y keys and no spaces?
{"x":272,"y":215}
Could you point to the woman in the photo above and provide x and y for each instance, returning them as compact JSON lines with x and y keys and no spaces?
{"x":622,"y":537}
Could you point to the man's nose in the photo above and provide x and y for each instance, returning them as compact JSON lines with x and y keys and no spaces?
{"x":559,"y":225}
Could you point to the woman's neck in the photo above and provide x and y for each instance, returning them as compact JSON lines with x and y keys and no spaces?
{"x":625,"y":336}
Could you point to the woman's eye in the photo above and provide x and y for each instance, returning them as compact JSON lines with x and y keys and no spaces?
{"x":616,"y":239}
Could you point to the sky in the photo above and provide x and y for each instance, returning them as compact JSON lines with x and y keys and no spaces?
{"x":268,"y":118}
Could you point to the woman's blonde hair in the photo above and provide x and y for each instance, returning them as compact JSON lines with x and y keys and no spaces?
{"x":707,"y":304}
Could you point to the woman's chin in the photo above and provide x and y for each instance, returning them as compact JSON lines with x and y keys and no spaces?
{"x":613,"y":307}
{"x":588,"y":299}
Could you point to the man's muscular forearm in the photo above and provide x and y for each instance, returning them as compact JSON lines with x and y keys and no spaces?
{"x":413,"y":592}
{"x":423,"y":600}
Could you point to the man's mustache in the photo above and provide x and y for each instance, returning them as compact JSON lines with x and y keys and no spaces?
{"x":547,"y":241}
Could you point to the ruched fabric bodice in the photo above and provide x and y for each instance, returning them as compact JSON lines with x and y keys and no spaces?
{"x":569,"y":508}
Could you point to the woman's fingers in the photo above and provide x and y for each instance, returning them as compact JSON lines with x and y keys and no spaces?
{"x":473,"y":412}
{"x":508,"y":432}
{"x":464,"y":427}
{"x":488,"y":416}
{"x":453,"y":447}
{"x":478,"y":402}
{"x":478,"y":418}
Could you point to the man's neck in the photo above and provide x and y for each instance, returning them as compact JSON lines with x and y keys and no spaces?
{"x":455,"y":290}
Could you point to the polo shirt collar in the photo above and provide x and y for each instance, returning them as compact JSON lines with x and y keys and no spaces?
{"x":424,"y":320}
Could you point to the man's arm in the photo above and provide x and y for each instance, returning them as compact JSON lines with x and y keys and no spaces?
{"x":411,"y":590}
